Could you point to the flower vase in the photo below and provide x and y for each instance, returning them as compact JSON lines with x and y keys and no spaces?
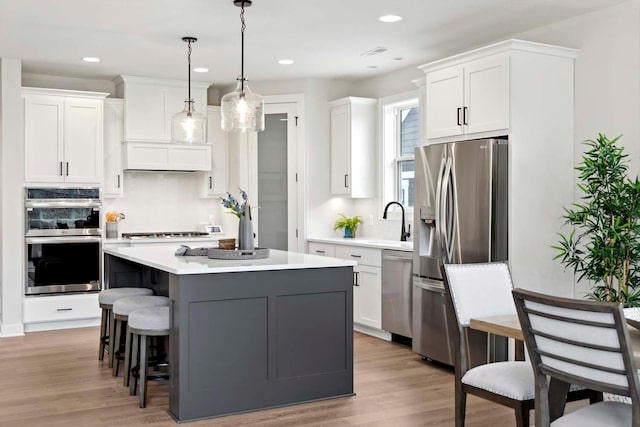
{"x":245,"y":231}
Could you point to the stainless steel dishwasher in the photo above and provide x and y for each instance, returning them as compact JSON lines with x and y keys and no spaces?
{"x":397,"y":276}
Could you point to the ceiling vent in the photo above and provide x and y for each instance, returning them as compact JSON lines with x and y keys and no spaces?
{"x":375,"y":51}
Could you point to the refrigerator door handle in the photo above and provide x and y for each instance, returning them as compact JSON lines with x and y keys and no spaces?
{"x":438,"y":204}
{"x":452,"y":215}
{"x":445,"y":215}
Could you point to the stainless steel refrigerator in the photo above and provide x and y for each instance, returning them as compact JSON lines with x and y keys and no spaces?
{"x":460,"y":216}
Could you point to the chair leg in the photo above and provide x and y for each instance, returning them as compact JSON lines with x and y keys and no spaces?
{"x":522,"y":416}
{"x":127,"y":359}
{"x":112,"y":329}
{"x":116,"y":347}
{"x":135,"y":362}
{"x":143,"y":371}
{"x":461,"y":406}
{"x":103,"y":334}
{"x":595,"y":397}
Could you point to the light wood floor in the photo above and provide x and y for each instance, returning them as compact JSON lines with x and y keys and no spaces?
{"x":54,"y":379}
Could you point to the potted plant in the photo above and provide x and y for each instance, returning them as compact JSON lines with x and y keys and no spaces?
{"x":604,"y":243}
{"x":350,"y":225}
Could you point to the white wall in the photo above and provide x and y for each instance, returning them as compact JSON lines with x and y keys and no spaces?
{"x":11,"y":213}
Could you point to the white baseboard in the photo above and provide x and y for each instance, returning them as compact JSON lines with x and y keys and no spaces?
{"x":67,"y":324}
{"x":13,"y":330}
{"x":378,"y":333}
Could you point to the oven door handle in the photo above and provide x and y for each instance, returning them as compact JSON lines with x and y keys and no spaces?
{"x":79,"y":203}
{"x":57,"y":240}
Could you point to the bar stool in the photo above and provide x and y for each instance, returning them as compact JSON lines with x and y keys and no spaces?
{"x":121,"y":310}
{"x":143,"y":323}
{"x":106,"y":299}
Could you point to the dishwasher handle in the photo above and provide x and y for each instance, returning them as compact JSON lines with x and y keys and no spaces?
{"x":396,"y":258}
{"x":429,"y":285}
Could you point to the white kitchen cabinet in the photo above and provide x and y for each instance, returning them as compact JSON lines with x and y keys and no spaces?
{"x":367,"y":296}
{"x":468,"y":98}
{"x":150,"y":103}
{"x":113,"y":183}
{"x":216,"y":181}
{"x":166,"y":156}
{"x":353,"y":154}
{"x":322,"y":249}
{"x":60,"y":308}
{"x":63,"y":135}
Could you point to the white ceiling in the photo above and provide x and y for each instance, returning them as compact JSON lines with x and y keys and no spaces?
{"x":324,"y":37}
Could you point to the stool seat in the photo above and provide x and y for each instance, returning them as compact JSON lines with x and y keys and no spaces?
{"x":150,"y":319}
{"x":109,"y":296}
{"x":124,"y":306}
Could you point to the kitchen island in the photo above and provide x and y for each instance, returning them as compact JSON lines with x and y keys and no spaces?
{"x":248,"y":334}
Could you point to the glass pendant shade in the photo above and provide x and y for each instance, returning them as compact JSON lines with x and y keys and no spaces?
{"x":242,"y":111}
{"x":188,"y":126}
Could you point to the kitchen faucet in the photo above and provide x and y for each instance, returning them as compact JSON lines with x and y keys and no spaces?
{"x":403,"y":234}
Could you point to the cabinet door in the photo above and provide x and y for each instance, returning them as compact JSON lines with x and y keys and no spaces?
{"x":145,"y":113}
{"x":486,"y":94}
{"x":341,"y":150}
{"x":367,"y":296}
{"x":322,"y":249}
{"x":83,"y":141}
{"x":43,"y":135}
{"x":113,"y":135}
{"x":216,"y":181}
{"x":444,"y":102}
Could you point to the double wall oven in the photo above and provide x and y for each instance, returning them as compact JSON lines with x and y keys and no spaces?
{"x":62,"y":240}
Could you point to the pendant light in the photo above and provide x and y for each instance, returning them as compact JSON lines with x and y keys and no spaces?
{"x":242,"y":110}
{"x":188,"y":126}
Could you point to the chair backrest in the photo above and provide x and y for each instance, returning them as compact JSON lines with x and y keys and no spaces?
{"x":479,"y":290}
{"x":579,"y":342}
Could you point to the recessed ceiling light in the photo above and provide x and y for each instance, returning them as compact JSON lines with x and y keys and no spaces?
{"x":286,"y":61}
{"x":372,"y":66}
{"x":200,"y":70}
{"x":390,"y":18}
{"x":90,"y":59}
{"x":398,"y":58}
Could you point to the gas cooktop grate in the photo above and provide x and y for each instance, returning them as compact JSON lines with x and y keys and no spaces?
{"x":164,"y":235}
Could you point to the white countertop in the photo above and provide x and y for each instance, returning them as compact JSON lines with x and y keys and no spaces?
{"x":205,"y":241}
{"x":162,"y":257}
{"x":366,"y":242}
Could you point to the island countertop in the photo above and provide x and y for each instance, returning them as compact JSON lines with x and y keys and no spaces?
{"x":163,"y":258}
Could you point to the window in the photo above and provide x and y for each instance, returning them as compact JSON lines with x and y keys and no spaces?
{"x":401,"y":134}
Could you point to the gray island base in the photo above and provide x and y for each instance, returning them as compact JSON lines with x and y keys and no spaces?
{"x":266,"y":335}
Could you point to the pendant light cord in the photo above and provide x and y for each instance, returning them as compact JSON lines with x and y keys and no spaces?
{"x":242,"y":28}
{"x":189,"y":72}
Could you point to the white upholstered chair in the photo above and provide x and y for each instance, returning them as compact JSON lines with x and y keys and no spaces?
{"x":579,"y":342}
{"x":483,"y":290}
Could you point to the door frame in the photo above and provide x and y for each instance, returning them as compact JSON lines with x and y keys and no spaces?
{"x":276,"y":104}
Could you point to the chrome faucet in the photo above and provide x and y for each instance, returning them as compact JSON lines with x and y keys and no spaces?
{"x":403,"y":233}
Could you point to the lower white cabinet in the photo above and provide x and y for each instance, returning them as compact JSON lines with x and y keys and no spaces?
{"x":60,"y":308}
{"x":367,"y":279}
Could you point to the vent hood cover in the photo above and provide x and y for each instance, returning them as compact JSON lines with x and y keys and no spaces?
{"x":153,"y":156}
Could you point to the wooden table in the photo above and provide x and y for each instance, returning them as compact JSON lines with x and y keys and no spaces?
{"x":509,"y":326}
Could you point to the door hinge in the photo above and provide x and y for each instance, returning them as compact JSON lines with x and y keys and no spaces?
{"x":296,"y":120}
{"x":296,"y":176}
{"x":296,"y":233}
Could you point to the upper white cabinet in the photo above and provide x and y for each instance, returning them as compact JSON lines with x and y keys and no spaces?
{"x":113,"y":184}
{"x":353,"y":156}
{"x":63,"y":134}
{"x":149,"y":104}
{"x":468,"y":98}
{"x":154,"y":156}
{"x":216,"y":181}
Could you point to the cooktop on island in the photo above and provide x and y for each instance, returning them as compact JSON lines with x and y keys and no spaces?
{"x":164,"y":235}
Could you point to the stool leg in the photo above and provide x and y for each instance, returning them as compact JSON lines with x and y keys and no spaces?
{"x":115,"y":347}
{"x":135,"y":361}
{"x":143,"y":371}
{"x":127,"y":359}
{"x":112,"y":327}
{"x":103,"y":334}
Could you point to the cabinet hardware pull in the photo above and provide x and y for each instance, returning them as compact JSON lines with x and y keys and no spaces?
{"x":345,"y":181}
{"x":64,"y":309}
{"x":60,"y":168}
{"x":356,"y":256}
{"x":67,"y":168}
{"x":355,"y":278}
{"x":465,"y":113}
{"x":458,"y":116}
{"x":210,"y":183}
{"x":118,"y":180}
{"x":320,"y":252}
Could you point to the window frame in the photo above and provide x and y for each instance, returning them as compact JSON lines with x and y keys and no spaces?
{"x":390,"y":119}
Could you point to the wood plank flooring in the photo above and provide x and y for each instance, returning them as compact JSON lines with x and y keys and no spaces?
{"x":55,"y":379}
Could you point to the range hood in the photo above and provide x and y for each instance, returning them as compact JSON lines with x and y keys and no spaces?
{"x":161,"y":156}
